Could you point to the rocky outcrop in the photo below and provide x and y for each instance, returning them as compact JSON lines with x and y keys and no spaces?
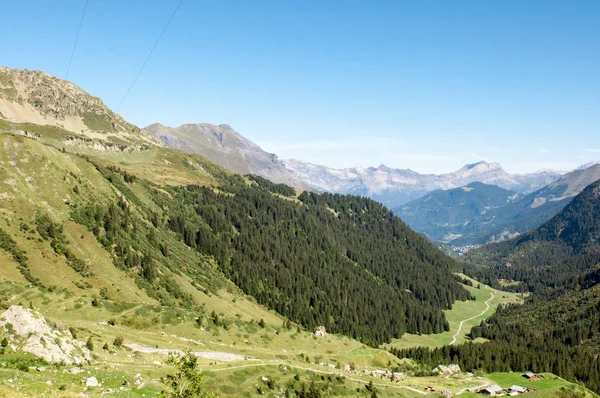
{"x":29,"y":332}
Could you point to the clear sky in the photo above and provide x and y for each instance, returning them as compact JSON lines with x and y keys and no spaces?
{"x":426,"y":85}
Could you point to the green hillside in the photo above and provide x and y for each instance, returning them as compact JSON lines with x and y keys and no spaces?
{"x":129,"y":250}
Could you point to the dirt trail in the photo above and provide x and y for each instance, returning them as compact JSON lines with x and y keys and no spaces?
{"x":216,"y":355}
{"x":487,"y":307}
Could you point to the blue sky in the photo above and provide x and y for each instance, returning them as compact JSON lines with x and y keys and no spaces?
{"x":426,"y":85}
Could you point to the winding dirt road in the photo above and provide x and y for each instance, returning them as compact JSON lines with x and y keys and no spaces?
{"x":487,"y":307}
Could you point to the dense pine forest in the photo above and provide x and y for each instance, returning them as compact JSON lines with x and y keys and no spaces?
{"x":343,"y":262}
{"x":557,"y":330}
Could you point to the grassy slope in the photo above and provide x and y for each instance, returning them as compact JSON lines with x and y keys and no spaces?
{"x":272,"y":352}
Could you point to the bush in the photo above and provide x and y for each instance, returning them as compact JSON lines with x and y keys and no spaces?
{"x":118,"y":341}
{"x":89,"y":344}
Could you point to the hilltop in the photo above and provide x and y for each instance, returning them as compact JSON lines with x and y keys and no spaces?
{"x":37,"y":98}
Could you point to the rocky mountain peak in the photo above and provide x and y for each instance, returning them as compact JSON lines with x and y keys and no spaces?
{"x":36,"y":97}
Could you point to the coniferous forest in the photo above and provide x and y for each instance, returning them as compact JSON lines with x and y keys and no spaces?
{"x":343,"y":262}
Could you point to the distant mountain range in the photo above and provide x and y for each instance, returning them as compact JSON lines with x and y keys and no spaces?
{"x":226,"y":147}
{"x":394,"y":187}
{"x":479,"y":213}
{"x":552,"y":253}
{"x":476,"y":204}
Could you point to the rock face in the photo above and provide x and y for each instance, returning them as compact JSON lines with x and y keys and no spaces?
{"x":31,"y":333}
{"x":394,"y":187}
{"x":226,"y":147}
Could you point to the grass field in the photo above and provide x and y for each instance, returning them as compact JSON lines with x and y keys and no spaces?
{"x":548,"y":386}
{"x":467,"y":312}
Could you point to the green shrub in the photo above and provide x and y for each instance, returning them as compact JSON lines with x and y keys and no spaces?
{"x":118,"y":342}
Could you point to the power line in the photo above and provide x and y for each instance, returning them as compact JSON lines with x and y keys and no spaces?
{"x":149,"y":55}
{"x":77,"y":38}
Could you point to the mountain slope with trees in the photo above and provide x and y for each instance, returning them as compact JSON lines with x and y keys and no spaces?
{"x":563,"y":247}
{"x":170,"y":227}
{"x":556,"y":330}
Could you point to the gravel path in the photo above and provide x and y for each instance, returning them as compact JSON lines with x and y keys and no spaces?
{"x":216,"y":355}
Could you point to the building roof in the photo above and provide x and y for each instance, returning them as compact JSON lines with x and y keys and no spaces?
{"x":529,"y":373}
{"x":493,"y":389}
{"x":517,"y":388}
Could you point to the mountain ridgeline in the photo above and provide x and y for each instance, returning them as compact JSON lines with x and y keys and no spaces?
{"x":395,"y":187}
{"x":479,"y":214}
{"x":227,"y":148}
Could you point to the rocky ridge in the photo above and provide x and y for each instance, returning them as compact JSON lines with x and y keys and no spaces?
{"x":36,"y":97}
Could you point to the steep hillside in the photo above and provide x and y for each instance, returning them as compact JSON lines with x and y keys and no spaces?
{"x":446,"y":215}
{"x":395,"y":187}
{"x":145,"y":223}
{"x":224,"y":146}
{"x":108,"y":230}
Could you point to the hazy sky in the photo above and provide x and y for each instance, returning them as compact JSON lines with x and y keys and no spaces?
{"x":426,"y":85}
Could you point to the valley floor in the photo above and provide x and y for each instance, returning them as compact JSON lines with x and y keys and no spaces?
{"x":462,"y":317}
